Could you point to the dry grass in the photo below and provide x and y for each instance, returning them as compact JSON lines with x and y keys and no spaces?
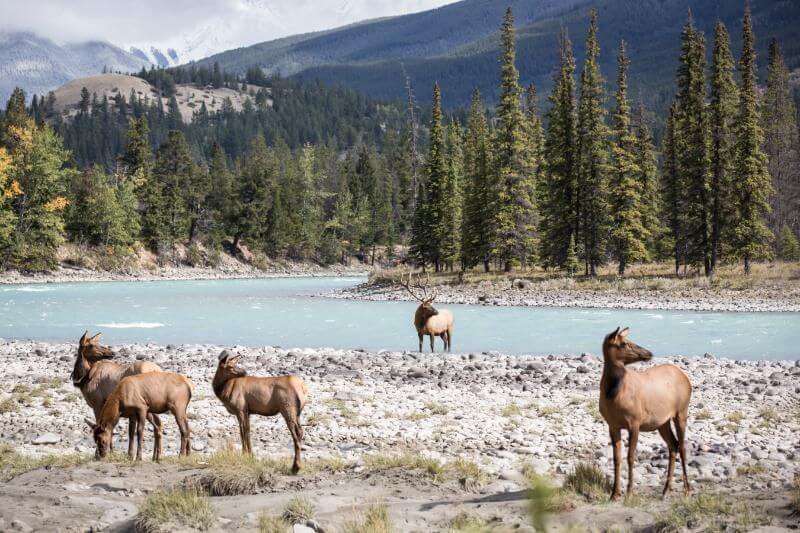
{"x":796,"y":495}
{"x":163,"y":510}
{"x":639,"y":277}
{"x":468,"y":523}
{"x":269,"y":523}
{"x":589,"y":482}
{"x":437,"y":408}
{"x":231,"y":473}
{"x":468,"y":473}
{"x":374,"y":520}
{"x":750,"y":469}
{"x":511,"y":409}
{"x":544,"y":498}
{"x":707,"y":512}
{"x":12,"y":464}
{"x":298,"y":510}
{"x":703,"y":414}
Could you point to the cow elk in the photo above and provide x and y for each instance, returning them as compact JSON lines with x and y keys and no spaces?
{"x":642,"y":400}
{"x":427,"y":319}
{"x":97,"y":377}
{"x":244,"y":395}
{"x":137,"y":396}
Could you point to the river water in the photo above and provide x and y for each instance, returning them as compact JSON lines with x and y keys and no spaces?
{"x":285,"y":312}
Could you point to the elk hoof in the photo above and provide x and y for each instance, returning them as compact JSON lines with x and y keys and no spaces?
{"x":616,"y":496}
{"x":295,"y":468}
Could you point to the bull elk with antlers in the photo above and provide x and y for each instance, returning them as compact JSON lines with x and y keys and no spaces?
{"x":427,"y":319}
{"x":644,"y":400}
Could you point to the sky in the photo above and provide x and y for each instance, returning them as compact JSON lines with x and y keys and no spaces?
{"x":163,"y":22}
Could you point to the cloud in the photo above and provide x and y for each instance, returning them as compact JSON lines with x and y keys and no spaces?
{"x":158,"y":21}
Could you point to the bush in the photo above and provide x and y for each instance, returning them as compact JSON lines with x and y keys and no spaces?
{"x":588,"y":481}
{"x":231,"y":473}
{"x":163,"y":509}
{"x":298,"y":510}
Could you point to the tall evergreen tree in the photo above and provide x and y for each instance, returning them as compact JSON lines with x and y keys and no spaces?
{"x":436,"y":178}
{"x":592,"y":156}
{"x":673,"y":192}
{"x":450,"y":226}
{"x":752,"y":186}
{"x":692,"y":145}
{"x":476,"y":236}
{"x":782,"y":144}
{"x":723,"y":116}
{"x":221,"y":195}
{"x":558,"y":187}
{"x":644,"y":153}
{"x":173,"y":171}
{"x":628,"y":235}
{"x":516,"y":211}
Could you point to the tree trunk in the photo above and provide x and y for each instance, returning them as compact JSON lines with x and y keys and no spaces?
{"x":747,"y":264}
{"x":507,"y":266}
{"x":486,"y":267}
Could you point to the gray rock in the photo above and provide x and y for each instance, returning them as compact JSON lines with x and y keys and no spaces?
{"x":19,"y":525}
{"x":47,"y":438}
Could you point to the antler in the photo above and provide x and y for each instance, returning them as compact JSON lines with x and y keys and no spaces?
{"x":407,"y":285}
{"x":423,"y":287}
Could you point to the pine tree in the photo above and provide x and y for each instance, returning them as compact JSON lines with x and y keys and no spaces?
{"x":644,"y":153}
{"x":788,"y":246}
{"x":673,"y":192}
{"x":592,"y":160}
{"x":221,"y":196}
{"x":436,"y":177}
{"x":571,"y":263}
{"x":254,"y":192}
{"x":691,"y":141}
{"x":628,"y":234}
{"x":420,"y":228}
{"x":557,"y":189}
{"x":782,"y":144}
{"x":476,"y":236}
{"x":173,"y":171}
{"x":723,"y":115}
{"x":516,"y":210}
{"x":752,"y":186}
{"x":449,"y":228}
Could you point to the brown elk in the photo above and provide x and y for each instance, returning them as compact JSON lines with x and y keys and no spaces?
{"x":642,"y":400}
{"x":244,"y":395}
{"x":97,"y":377}
{"x":427,"y":319}
{"x":136,"y":397}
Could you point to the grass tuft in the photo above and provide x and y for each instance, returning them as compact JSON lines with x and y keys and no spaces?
{"x":269,"y":523}
{"x":750,"y":469}
{"x":544,"y":498}
{"x":468,"y":473}
{"x":511,"y":409}
{"x":703,"y":414}
{"x":707,"y":512}
{"x":468,"y":523}
{"x":298,"y":510}
{"x":12,"y":464}
{"x":231,"y":473}
{"x":375,"y":520}
{"x":437,"y":408}
{"x":162,"y":510}
{"x":588,"y":481}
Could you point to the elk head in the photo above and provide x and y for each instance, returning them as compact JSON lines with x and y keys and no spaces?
{"x":89,"y":352}
{"x":425,"y":300}
{"x":102,"y":438}
{"x":227,"y":365}
{"x":617,"y":348}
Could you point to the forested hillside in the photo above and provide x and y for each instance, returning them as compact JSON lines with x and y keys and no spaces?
{"x":455,"y":46}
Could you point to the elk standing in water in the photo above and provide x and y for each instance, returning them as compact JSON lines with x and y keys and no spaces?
{"x":97,"y":377}
{"x":244,"y":395}
{"x":427,"y":319}
{"x":138,"y":396}
{"x":644,"y":400}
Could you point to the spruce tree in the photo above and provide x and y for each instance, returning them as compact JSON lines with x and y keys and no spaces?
{"x":645,"y":157}
{"x":516,"y":211}
{"x":673,"y":192}
{"x":221,"y":196}
{"x":558,"y":186}
{"x":592,"y":155}
{"x":173,"y":171}
{"x":628,"y":235}
{"x":723,"y":116}
{"x":436,"y":184}
{"x":450,"y":225}
{"x":691,"y":140}
{"x":476,"y":236}
{"x":781,"y":144}
{"x":752,"y":186}
{"x":788,"y":246}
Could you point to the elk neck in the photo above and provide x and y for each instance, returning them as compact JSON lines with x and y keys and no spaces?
{"x":611,"y":380}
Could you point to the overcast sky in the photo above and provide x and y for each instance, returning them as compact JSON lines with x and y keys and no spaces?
{"x":158,"y":21}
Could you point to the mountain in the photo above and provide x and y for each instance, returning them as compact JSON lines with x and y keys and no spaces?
{"x":39,"y":65}
{"x":457,"y":45}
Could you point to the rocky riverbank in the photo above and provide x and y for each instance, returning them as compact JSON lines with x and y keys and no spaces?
{"x":497,"y":410}
{"x":543,"y":294}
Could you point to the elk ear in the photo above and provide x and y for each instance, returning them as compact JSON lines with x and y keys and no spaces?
{"x":83,"y":338}
{"x":90,"y":423}
{"x":616,"y":332}
{"x":624,"y":332}
{"x":93,"y":339}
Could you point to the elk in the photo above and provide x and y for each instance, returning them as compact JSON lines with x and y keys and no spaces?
{"x":136,"y":397}
{"x":97,"y":377}
{"x":427,"y":319}
{"x":243,"y":395}
{"x":642,"y":400}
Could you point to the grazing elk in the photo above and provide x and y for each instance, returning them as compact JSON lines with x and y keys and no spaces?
{"x":136,"y":397}
{"x":427,"y":319}
{"x":642,"y":400}
{"x":97,"y":377}
{"x":244,"y":395}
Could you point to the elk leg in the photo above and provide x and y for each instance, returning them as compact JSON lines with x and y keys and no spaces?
{"x":240,"y":420}
{"x":156,"y":423}
{"x":680,"y":430}
{"x":633,"y":440}
{"x":433,"y":350}
{"x":183,"y":427}
{"x":246,"y":431}
{"x":131,"y":431}
{"x":672,"y":444}
{"x":420,"y":343}
{"x":297,"y":437}
{"x":449,"y":340}
{"x":616,"y":446}
{"x":141,"y":416}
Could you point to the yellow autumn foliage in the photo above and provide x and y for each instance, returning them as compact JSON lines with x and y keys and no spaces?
{"x":56,"y":204}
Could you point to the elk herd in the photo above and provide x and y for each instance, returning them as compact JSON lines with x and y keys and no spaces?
{"x":632,"y":400}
